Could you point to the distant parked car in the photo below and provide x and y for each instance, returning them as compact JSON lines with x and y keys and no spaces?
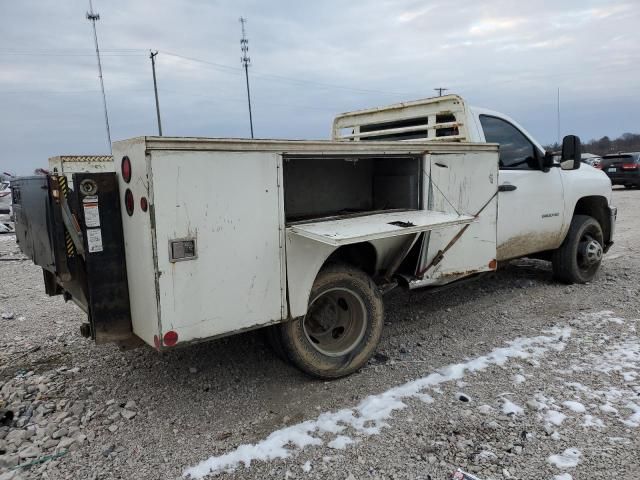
{"x":622,"y":168}
{"x":591,"y":159}
{"x":5,"y":197}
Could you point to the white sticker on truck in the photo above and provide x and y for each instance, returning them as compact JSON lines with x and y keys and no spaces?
{"x":91,"y":211}
{"x":94,"y":240}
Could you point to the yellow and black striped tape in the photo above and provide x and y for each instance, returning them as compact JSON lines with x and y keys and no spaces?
{"x":64,"y":189}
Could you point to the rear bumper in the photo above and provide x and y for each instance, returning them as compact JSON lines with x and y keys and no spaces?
{"x":625,"y":178}
{"x":613,"y":215}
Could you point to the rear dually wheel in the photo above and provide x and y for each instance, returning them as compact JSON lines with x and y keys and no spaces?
{"x":342,"y":327}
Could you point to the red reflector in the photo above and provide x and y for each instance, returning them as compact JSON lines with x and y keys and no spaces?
{"x":126,"y":169}
{"x":128,"y":201}
{"x":144,"y":204}
{"x":170,"y":338}
{"x":629,"y":166}
{"x":493,"y":264}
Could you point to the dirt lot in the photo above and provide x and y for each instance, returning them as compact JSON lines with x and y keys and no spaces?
{"x":513,"y":376}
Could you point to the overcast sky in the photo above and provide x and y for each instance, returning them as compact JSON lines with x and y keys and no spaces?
{"x":310,"y":60}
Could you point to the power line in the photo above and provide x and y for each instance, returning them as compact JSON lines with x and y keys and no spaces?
{"x":206,"y":62}
{"x":65,"y":92}
{"x":28,"y":54}
{"x":93,"y":17}
{"x":298,"y":81}
{"x":245,"y":60}
{"x":260,"y":102}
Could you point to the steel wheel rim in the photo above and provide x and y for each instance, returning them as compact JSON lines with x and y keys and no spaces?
{"x":589,"y":252}
{"x":335,"y":322}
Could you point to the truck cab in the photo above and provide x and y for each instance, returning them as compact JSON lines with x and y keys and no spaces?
{"x":538,"y":197}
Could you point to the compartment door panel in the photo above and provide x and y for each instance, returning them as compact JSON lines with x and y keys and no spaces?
{"x":233,"y":279}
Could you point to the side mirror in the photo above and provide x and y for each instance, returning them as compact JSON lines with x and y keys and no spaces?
{"x":571,"y":153}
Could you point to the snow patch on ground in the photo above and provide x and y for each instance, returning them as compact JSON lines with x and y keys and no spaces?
{"x":574,"y":406}
{"x":567,"y":459}
{"x":608,"y":408}
{"x":555,"y":417}
{"x":306,"y":467}
{"x":340,"y":442}
{"x":634,"y":419}
{"x":591,"y":421}
{"x":510,"y":408}
{"x":563,"y":476}
{"x":372,"y":414}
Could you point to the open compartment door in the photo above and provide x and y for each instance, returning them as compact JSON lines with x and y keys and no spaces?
{"x":345,"y":231}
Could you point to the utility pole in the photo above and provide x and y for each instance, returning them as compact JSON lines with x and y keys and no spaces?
{"x":93,"y":17}
{"x":244,"y":46}
{"x":558,"y":113}
{"x":440,"y":90}
{"x":152,"y":56}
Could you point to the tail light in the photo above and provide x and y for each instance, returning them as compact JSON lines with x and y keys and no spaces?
{"x":629,"y":166}
{"x":170,"y":338}
{"x":125,"y":168}
{"x":128,"y":201}
{"x":598,"y":166}
{"x":3,"y":194}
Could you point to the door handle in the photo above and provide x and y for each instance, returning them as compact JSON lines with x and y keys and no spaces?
{"x":506,"y":187}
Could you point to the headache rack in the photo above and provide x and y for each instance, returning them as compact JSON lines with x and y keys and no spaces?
{"x":438,"y":118}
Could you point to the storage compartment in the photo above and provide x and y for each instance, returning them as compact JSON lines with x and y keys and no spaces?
{"x":320,"y":187}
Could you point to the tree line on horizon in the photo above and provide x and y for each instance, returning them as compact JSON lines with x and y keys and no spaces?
{"x":627,"y":142}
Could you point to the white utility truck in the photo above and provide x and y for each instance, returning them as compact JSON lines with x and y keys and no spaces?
{"x":560,"y":211}
{"x":192,"y":239}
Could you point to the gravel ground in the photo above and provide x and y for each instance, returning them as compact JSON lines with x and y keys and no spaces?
{"x":562,"y":402}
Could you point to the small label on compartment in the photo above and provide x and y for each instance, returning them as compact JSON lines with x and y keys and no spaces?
{"x":91,"y":211}
{"x":94,"y":240}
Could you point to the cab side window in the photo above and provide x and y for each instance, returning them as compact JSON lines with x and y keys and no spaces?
{"x":516,"y":151}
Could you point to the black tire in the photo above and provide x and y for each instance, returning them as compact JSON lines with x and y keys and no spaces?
{"x":579,"y":257}
{"x":342,"y":327}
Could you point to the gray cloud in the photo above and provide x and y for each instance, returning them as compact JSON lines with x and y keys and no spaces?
{"x":310,"y":60}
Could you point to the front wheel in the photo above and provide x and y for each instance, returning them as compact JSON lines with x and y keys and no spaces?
{"x":342,"y":327}
{"x":578,"y":258}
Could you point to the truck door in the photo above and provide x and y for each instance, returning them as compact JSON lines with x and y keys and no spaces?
{"x":530,"y":200}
